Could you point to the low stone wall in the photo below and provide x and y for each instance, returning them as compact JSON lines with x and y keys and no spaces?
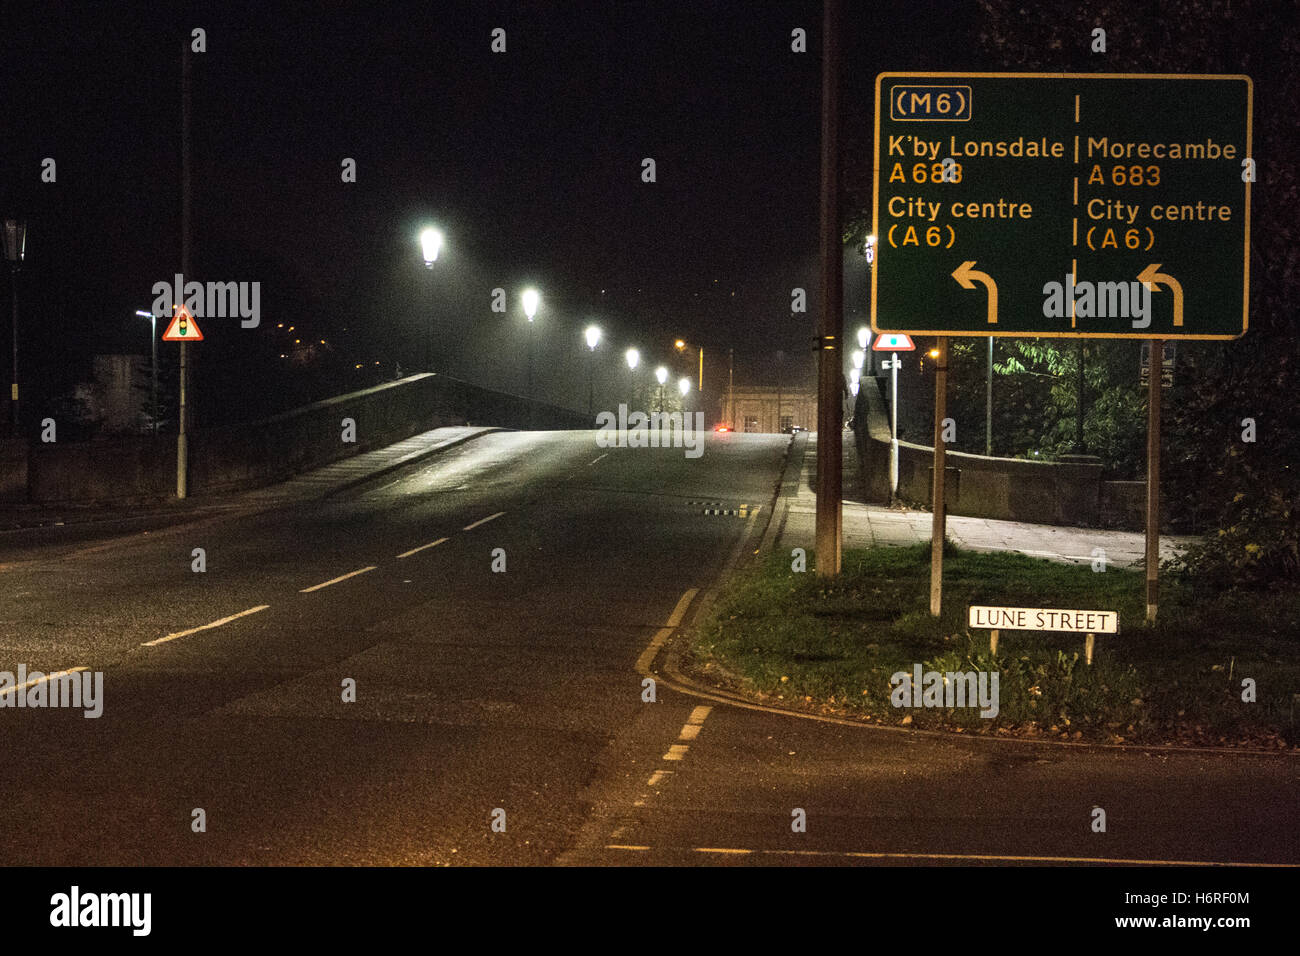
{"x":256,"y":453}
{"x":1044,"y":492}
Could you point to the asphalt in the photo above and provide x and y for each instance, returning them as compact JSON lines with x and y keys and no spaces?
{"x":514,"y":695}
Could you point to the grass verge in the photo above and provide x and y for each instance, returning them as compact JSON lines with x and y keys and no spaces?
{"x":790,"y":638}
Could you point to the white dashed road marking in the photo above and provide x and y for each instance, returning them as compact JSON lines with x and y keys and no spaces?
{"x":208,"y":627}
{"x":341,"y":577}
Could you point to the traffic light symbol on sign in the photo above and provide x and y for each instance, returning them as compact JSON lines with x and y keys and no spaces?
{"x":183,"y":328}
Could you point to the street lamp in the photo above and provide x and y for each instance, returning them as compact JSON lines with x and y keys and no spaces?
{"x":430,"y":243}
{"x":531,"y":299}
{"x":858,"y":358}
{"x":153,"y":365}
{"x":661,"y":374}
{"x":633,"y":359}
{"x":15,"y":249}
{"x":593,"y":337}
{"x":680,"y":346}
{"x":864,"y":339}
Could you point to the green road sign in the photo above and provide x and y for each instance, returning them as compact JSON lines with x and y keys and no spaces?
{"x":1094,"y":205}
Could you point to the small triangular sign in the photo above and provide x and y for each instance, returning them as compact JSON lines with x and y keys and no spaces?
{"x":892,"y":342}
{"x":183,"y":328}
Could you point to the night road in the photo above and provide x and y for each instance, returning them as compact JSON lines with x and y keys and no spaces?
{"x":480,"y":691}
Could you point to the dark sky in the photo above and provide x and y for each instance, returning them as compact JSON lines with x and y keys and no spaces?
{"x":529,"y":162}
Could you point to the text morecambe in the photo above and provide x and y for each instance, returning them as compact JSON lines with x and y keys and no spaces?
{"x":1102,"y":146}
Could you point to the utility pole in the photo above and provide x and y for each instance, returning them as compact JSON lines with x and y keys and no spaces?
{"x":830,"y":332}
{"x":182,"y":436}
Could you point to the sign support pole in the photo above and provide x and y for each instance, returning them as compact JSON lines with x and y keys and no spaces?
{"x":182,"y":436}
{"x":1153,"y":480}
{"x":938,"y":518}
{"x":830,"y":377}
{"x":893,"y":428}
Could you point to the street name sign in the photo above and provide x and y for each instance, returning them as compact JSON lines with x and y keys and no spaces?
{"x":1042,"y":619}
{"x":1093,"y":205}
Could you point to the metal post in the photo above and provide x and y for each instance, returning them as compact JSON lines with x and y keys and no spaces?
{"x":893,"y":429}
{"x":988,"y":404}
{"x":938,"y":519}
{"x":1153,"y":478}
{"x":731,"y":396}
{"x":153,"y":369}
{"x":830,"y":404}
{"x":13,"y":389}
{"x":1078,"y":427}
{"x":780,"y":384}
{"x":182,"y":436}
{"x":701,"y":368}
{"x":591,"y":383}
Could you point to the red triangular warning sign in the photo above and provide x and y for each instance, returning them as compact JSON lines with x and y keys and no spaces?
{"x":183,"y":328}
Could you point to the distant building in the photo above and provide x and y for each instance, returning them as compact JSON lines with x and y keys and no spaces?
{"x":762,"y":408}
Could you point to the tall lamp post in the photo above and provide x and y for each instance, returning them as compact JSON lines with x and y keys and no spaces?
{"x":153,"y":366}
{"x":593,"y":338}
{"x":681,"y":346}
{"x":15,"y":249}
{"x":633,"y":357}
{"x":430,"y":244}
{"x":661,"y":374}
{"x":531,"y":299}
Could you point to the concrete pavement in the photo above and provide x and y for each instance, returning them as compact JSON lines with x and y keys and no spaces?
{"x":871,"y":525}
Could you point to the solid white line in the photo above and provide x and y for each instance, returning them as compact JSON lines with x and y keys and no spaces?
{"x":341,"y":577}
{"x":36,"y":680}
{"x":431,"y":544}
{"x":590,"y":463}
{"x":471,"y":527}
{"x":205,"y":627}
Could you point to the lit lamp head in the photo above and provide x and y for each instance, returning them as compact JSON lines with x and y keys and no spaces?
{"x":679,"y":345}
{"x":593,"y":337}
{"x":858,"y":358}
{"x":683,"y":386}
{"x":864,"y":337}
{"x":430,"y":243}
{"x":661,"y":374}
{"x":531,"y":300}
{"x":633,"y":359}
